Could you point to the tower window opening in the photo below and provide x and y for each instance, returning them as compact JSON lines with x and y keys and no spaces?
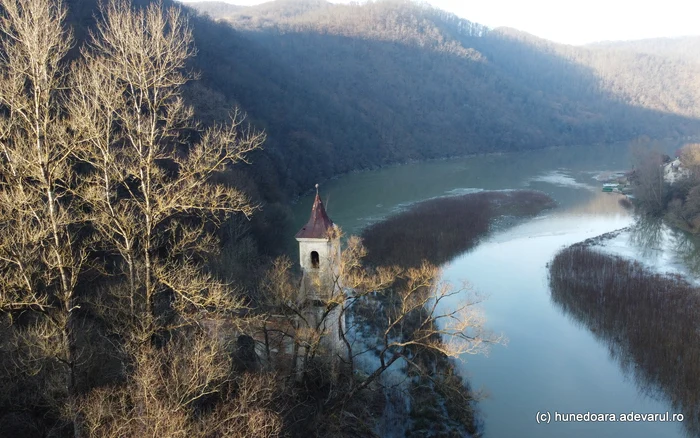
{"x":314,"y":259}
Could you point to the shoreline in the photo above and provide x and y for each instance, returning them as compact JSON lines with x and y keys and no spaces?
{"x":296,"y":197}
{"x":425,"y":405}
{"x":660,"y":257}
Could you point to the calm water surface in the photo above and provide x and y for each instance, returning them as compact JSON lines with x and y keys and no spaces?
{"x":551,"y":363}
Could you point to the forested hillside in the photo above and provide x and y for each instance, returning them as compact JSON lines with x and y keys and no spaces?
{"x":339,"y":88}
{"x":342,"y":87}
{"x":687,"y":48}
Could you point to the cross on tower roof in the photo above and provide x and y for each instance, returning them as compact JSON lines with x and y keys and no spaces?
{"x":319,"y":223}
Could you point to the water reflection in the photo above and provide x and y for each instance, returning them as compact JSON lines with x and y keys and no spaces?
{"x":549,"y":363}
{"x":600,"y":204}
{"x":653,"y":239}
{"x":688,"y":251}
{"x":647,"y":234}
{"x":648,"y":321}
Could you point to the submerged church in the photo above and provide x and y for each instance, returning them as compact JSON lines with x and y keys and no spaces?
{"x":321,"y":294}
{"x":313,"y":330}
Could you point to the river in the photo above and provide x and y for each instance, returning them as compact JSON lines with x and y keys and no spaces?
{"x":551,"y":363}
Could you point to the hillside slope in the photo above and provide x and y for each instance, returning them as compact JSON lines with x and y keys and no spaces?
{"x":342,"y":87}
{"x":215,"y":8}
{"x":687,"y":48}
{"x":345,"y":87}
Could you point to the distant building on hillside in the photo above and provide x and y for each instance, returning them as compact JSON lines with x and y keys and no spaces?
{"x":674,"y":171}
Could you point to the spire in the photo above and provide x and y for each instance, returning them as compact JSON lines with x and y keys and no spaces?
{"x":319,"y":223}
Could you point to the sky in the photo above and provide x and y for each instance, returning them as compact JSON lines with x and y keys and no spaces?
{"x":576,"y":22}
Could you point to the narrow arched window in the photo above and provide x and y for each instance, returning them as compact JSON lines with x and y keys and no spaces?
{"x":314,"y":259}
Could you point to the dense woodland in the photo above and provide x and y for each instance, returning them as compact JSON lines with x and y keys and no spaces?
{"x":141,"y":209}
{"x":390,"y":81}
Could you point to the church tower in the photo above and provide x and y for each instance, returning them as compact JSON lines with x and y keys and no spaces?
{"x":321,"y":293}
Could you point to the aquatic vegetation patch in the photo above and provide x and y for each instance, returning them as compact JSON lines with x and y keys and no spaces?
{"x":439,"y":229}
{"x":649,"y":321}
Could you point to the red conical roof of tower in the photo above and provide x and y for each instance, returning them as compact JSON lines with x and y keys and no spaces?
{"x":319,"y":223}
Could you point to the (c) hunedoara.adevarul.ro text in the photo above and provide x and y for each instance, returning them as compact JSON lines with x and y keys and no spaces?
{"x":547,"y":417}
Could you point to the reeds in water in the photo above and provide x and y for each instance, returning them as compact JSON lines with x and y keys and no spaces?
{"x":648,"y":320}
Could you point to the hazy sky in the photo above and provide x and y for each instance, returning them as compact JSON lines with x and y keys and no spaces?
{"x":576,"y":22}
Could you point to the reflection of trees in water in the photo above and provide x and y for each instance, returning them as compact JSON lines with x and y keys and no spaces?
{"x":647,"y":234}
{"x":687,"y":248}
{"x":648,"y":321}
{"x":651,"y":236}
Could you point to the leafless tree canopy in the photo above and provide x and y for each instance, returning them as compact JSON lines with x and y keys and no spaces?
{"x":108,"y":210}
{"x":410,"y":313}
{"x":104,"y":174}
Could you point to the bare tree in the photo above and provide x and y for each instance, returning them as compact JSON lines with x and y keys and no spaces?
{"x":650,"y":188}
{"x":690,"y":159}
{"x":416,"y":313}
{"x":103,"y":154}
{"x":169,"y":383}
{"x":129,"y":110}
{"x":152,"y":200}
{"x":41,"y":255}
{"x":410,"y":305}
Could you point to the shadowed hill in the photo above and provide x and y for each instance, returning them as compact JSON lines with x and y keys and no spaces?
{"x":660,"y":81}
{"x":345,"y":87}
{"x":642,"y":76}
{"x":407,"y":81}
